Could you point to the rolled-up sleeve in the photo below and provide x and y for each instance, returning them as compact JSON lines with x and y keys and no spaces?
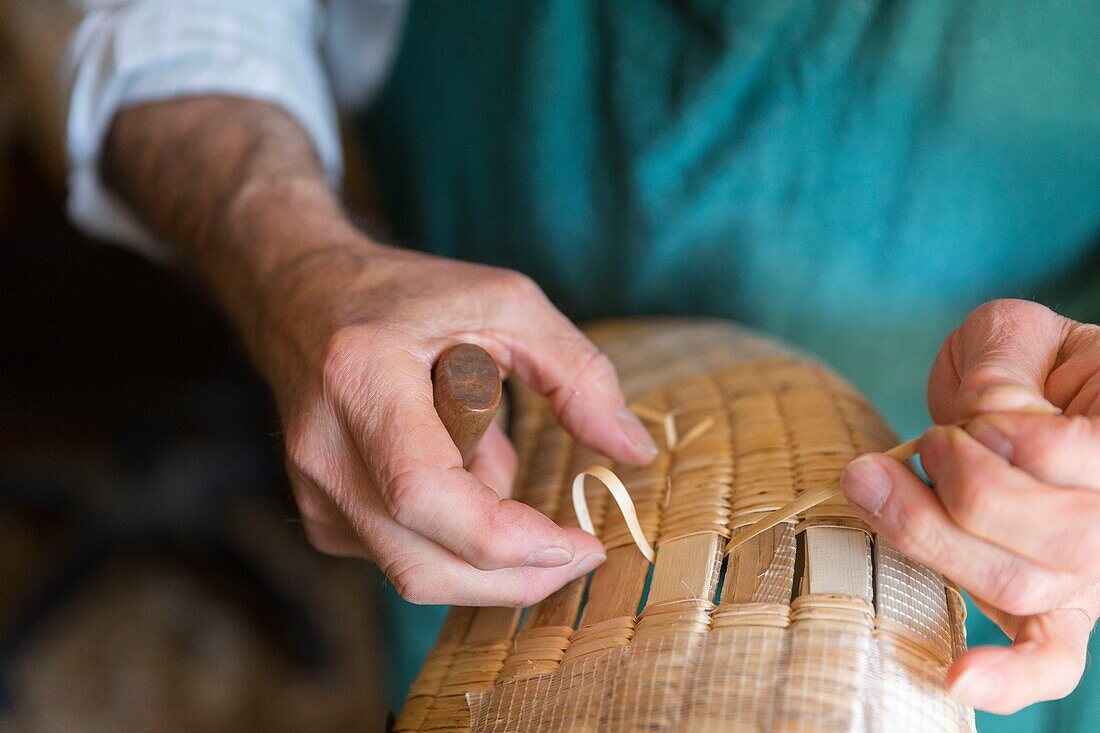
{"x":130,"y":51}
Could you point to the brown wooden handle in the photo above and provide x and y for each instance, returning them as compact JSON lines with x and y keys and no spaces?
{"x":466,"y":387}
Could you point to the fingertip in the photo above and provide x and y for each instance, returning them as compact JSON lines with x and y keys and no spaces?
{"x":587,"y":563}
{"x":867,"y":483}
{"x":971,"y":683}
{"x":1044,"y":663}
{"x":583,"y":543}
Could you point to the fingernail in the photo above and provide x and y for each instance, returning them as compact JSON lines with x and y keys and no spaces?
{"x":866,"y":484}
{"x":588,"y":564}
{"x":990,"y":437}
{"x":551,"y":557}
{"x":969,"y":689}
{"x":635,"y":432}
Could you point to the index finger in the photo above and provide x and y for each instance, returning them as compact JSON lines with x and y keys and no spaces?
{"x":998,"y":360}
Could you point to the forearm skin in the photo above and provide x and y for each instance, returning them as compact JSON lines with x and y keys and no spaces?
{"x":236,"y":187}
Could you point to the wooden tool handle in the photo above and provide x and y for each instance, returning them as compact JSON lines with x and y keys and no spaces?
{"x":466,"y":387}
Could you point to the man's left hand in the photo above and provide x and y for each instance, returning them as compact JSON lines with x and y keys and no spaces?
{"x":1014,"y":517}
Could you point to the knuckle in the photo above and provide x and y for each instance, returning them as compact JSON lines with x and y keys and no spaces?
{"x":413,"y":580}
{"x":1080,"y":431}
{"x":312,"y":507}
{"x":598,"y":367}
{"x":403,"y":494}
{"x":528,"y":592}
{"x":519,"y":285}
{"x":595,"y":368}
{"x":308,"y":458}
{"x":342,"y":360}
{"x":340,"y":349}
{"x":524,"y":596}
{"x":1005,"y":312}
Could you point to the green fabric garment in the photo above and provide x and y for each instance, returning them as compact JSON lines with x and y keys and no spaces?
{"x":851,"y":176}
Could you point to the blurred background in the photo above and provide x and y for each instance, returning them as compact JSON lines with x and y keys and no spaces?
{"x":153,"y":574}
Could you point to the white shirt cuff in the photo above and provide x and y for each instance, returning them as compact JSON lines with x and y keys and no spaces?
{"x":125,"y":53}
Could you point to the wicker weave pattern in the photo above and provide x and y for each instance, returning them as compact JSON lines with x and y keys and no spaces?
{"x":745,"y":426}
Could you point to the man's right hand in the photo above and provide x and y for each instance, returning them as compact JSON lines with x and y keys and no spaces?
{"x":346,"y":331}
{"x":354,"y":332}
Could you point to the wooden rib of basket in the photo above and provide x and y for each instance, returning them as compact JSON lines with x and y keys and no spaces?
{"x":813,"y":625}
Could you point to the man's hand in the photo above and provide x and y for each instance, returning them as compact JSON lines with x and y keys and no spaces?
{"x":374,"y":471}
{"x":1015,"y":514}
{"x":346,"y":330}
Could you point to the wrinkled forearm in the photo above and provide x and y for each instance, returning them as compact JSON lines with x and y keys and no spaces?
{"x":236,"y":188}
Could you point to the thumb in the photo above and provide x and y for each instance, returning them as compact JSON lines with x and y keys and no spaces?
{"x":998,"y":360}
{"x":1045,"y":662}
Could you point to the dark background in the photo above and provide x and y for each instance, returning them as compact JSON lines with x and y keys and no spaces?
{"x":153,"y":574}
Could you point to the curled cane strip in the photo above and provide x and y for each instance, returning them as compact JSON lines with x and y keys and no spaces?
{"x":621,"y":496}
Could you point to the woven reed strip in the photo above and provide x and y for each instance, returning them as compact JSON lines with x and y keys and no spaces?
{"x":820,"y":685}
{"x":827,"y":464}
{"x":654,"y":686}
{"x":429,"y":680}
{"x":701,"y":471}
{"x":606,"y":625}
{"x":448,"y":710}
{"x":821,"y":440}
{"x":540,"y":646}
{"x":957,"y":608}
{"x":913,"y":598}
{"x":646,"y":484}
{"x":474,"y":668}
{"x":738,"y":668}
{"x":739,"y":685}
{"x":694,"y":514}
{"x":549,"y":463}
{"x":764,"y":449}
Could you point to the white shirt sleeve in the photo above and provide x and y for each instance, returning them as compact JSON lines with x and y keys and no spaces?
{"x":129,"y":51}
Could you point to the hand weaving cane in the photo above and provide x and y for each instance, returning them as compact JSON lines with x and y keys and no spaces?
{"x":813,"y":624}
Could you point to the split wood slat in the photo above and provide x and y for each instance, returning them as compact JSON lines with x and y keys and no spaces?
{"x":617,"y":586}
{"x":749,"y":564}
{"x":838,"y":561}
{"x":746,"y":427}
{"x":686,"y":569}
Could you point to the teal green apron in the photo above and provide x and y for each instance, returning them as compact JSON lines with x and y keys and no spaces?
{"x":853,"y":177}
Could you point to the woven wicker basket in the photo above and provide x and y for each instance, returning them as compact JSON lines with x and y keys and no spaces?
{"x":812,"y":626}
